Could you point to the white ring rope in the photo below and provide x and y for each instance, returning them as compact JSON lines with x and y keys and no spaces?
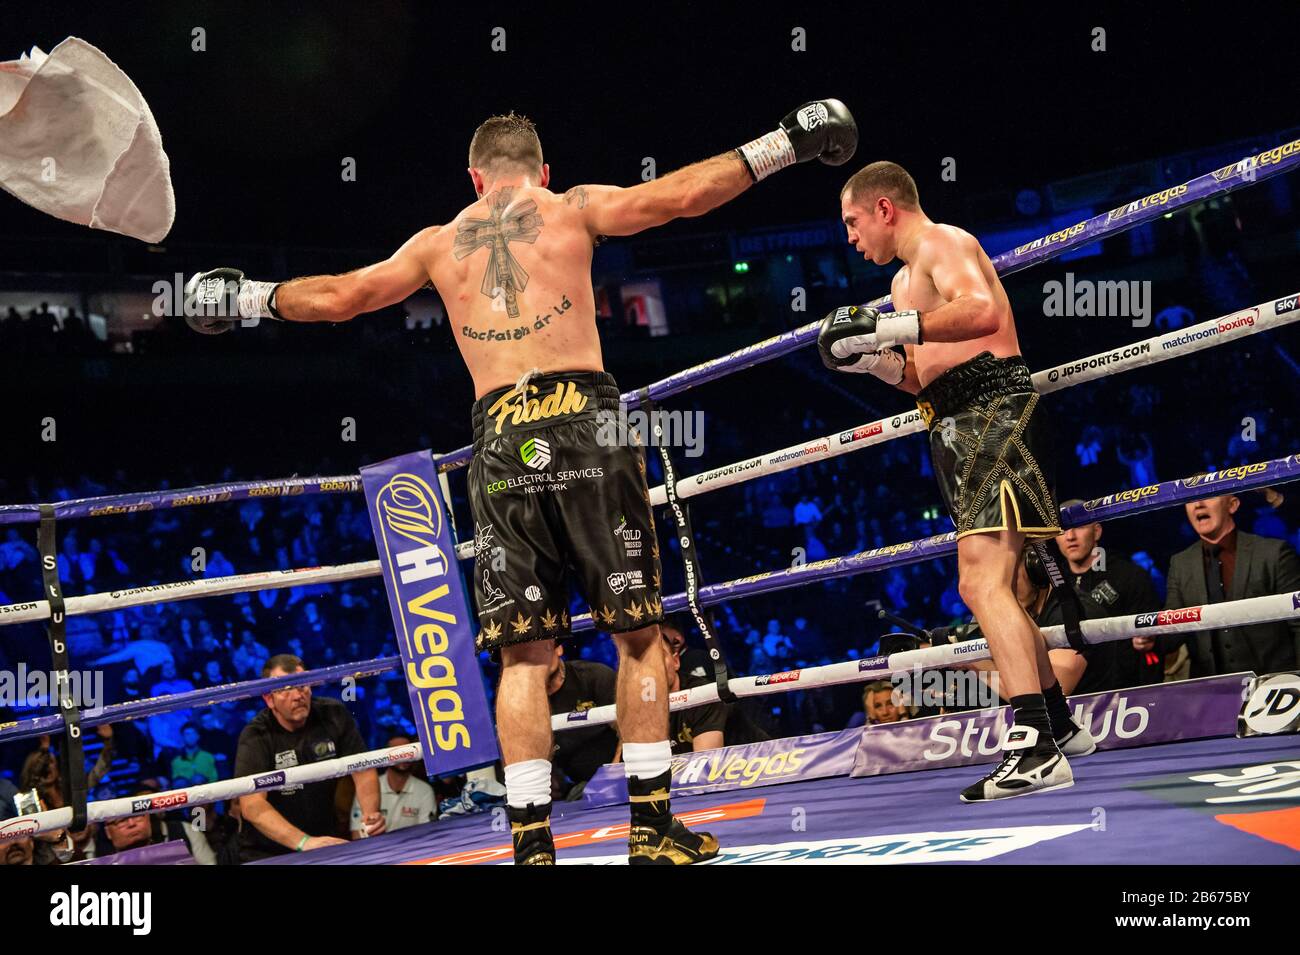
{"x":189,"y":590}
{"x":1150,"y":351}
{"x":52,"y":820}
{"x":1231,"y":613}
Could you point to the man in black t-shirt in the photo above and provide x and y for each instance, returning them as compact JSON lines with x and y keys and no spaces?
{"x":699,"y":728}
{"x":579,"y":685}
{"x":702,"y":727}
{"x":293,"y":730}
{"x":1120,"y":588}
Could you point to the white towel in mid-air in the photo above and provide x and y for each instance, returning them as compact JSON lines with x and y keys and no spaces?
{"x":77,"y":140}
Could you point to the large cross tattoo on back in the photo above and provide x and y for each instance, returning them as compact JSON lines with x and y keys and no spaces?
{"x":521,"y":223}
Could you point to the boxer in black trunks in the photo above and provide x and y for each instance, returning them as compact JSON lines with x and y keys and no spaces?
{"x":552,"y":494}
{"x":989,"y":443}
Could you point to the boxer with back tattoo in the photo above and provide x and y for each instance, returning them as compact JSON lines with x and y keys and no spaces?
{"x":546,"y":484}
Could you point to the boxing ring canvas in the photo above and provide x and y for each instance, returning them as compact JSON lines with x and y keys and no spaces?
{"x":1220,"y":801}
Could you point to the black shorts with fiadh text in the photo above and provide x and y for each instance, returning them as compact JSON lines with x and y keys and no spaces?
{"x":558,"y":494}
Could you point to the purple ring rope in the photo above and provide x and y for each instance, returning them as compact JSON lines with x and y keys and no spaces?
{"x":139,"y":709}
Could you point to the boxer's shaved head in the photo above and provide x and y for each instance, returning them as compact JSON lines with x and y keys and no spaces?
{"x":883,"y":178}
{"x":506,"y":144}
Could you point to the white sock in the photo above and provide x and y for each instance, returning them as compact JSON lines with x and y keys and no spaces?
{"x":528,"y":782}
{"x":647,"y":760}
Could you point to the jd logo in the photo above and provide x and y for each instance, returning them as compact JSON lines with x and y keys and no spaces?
{"x":1274,"y":705}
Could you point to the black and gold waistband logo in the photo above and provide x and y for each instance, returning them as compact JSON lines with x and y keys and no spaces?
{"x":519,"y":409}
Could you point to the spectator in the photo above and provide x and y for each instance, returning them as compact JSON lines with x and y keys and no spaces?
{"x":573,"y":686}
{"x":293,"y":730}
{"x":806,"y":512}
{"x":878,"y":705}
{"x":193,"y":762}
{"x":1230,"y":564}
{"x":144,"y":653}
{"x":739,"y":725}
{"x":777,"y":647}
{"x":146,"y":829}
{"x":404,"y":800}
{"x":1121,"y":588}
{"x":696,"y":729}
{"x":213,"y":734}
{"x":213,"y":674}
{"x":165,"y":728}
{"x":250,"y":657}
{"x":18,"y":852}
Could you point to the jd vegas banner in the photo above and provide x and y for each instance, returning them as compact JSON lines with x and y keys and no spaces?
{"x":430,"y":613}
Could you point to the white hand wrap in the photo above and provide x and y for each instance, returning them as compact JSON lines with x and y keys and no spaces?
{"x":768,"y":154}
{"x":255,"y":299}
{"x":899,"y":328}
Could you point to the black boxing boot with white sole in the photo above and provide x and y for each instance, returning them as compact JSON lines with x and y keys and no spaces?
{"x":656,"y":836}
{"x":530,"y":832}
{"x":1031,"y":763}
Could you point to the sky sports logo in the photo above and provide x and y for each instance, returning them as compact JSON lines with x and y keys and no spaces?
{"x":1164,"y":617}
{"x":1284,"y":305}
{"x":857,"y":434}
{"x":155,"y":803}
{"x":772,"y":679}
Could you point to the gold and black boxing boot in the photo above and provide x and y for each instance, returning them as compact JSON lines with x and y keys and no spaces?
{"x":530,"y":831}
{"x":656,"y":837}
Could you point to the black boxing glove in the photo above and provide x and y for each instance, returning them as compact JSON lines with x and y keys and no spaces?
{"x":823,"y":129}
{"x":859,"y":339}
{"x":215,"y":301}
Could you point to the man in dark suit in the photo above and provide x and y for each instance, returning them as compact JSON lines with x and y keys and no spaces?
{"x":1229,"y":564}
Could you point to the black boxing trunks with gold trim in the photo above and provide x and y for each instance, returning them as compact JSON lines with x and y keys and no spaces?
{"x":558,"y":493}
{"x":991,"y":448}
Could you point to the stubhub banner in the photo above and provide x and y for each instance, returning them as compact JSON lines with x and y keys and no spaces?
{"x":431,"y":617}
{"x":1140,"y":716}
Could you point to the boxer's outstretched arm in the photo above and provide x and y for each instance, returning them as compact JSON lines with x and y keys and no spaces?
{"x":970,"y":310}
{"x":692,"y":191}
{"x":337,"y":298}
{"x":822,"y":129}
